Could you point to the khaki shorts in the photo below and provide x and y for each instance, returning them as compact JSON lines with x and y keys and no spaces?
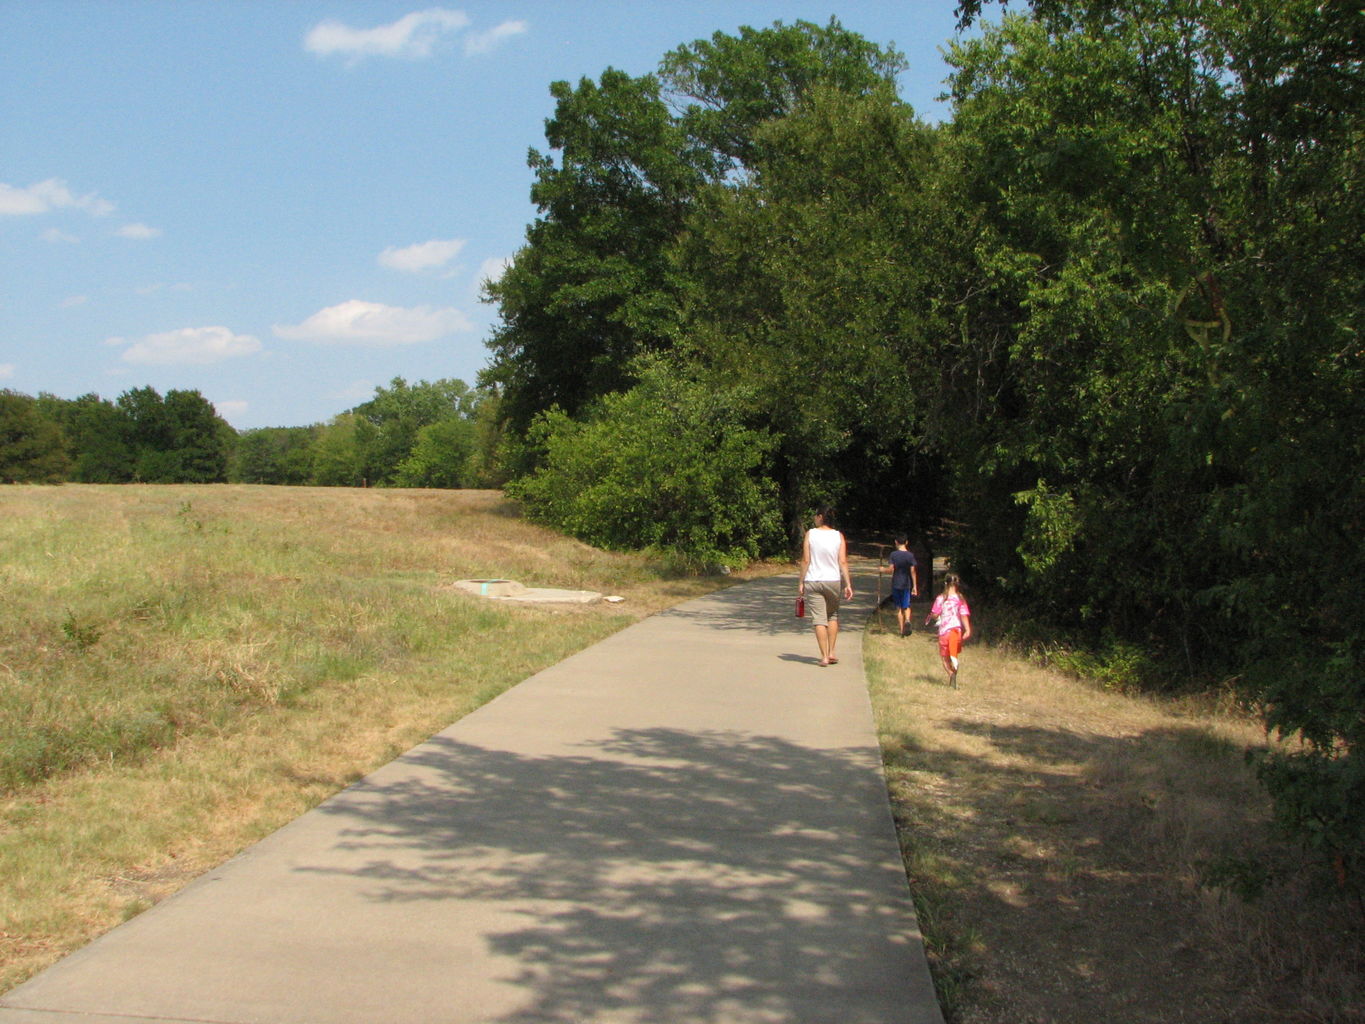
{"x":822,"y":601}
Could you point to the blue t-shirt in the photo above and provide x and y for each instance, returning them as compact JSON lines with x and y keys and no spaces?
{"x":901,"y":561}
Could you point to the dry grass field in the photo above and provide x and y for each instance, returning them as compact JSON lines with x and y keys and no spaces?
{"x":1056,"y":836}
{"x":184,"y":669}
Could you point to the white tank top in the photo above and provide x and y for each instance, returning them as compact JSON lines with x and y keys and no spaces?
{"x":824,"y":555}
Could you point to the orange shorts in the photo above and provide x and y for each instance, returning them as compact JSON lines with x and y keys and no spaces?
{"x":950,"y":643}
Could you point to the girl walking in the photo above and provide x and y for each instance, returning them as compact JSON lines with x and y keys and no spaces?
{"x":954,"y":624}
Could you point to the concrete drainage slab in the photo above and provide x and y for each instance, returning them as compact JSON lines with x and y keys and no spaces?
{"x":511,"y":590}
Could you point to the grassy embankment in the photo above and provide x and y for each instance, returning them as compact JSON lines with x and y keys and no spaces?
{"x":1056,"y":835}
{"x":185,"y":669}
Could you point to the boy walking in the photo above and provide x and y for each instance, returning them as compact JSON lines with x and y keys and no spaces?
{"x":904,"y":581}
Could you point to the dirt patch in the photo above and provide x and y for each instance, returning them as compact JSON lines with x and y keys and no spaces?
{"x":511,"y":590}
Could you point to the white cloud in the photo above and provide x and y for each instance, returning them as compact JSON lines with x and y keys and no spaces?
{"x":423,"y":256}
{"x":491,"y":270}
{"x":58,"y":237}
{"x":230,"y":408}
{"x":138,"y":231}
{"x":6,"y":371}
{"x":354,"y":393}
{"x":152,"y":289}
{"x":369,"y":323}
{"x":412,"y":36}
{"x":189,"y":346}
{"x":45,"y":196}
{"x":483,"y":42}
{"x":75,"y":300}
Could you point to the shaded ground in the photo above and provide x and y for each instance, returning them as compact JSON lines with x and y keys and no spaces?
{"x":1054,"y":834}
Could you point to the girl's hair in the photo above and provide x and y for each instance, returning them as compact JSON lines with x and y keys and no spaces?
{"x":952,"y":580}
{"x":826,"y":515}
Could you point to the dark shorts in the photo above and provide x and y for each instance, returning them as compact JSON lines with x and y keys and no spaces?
{"x":900,"y":597}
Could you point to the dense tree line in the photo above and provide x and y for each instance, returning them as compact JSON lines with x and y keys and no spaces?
{"x":441,"y":434}
{"x":1106,"y":318}
{"x":428,"y":434}
{"x":142,"y":437}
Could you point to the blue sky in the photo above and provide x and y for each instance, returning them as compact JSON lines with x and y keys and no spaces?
{"x":283,"y":205}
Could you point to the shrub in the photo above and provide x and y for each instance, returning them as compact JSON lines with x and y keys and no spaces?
{"x":668,"y":465}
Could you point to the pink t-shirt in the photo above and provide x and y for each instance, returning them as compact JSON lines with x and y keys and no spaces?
{"x":950,"y":610}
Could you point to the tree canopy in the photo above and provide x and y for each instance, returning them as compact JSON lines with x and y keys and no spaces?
{"x":1101,"y":328}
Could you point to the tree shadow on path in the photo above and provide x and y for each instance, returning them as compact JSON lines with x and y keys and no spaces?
{"x":661,"y":876}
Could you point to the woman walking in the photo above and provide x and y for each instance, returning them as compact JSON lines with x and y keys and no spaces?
{"x":824,"y":580}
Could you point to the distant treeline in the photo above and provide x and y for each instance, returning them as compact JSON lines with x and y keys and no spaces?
{"x":441,"y":434}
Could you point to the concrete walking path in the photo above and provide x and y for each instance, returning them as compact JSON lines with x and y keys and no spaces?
{"x":686,"y":822}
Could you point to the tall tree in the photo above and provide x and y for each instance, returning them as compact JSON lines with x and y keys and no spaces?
{"x":273,"y":455}
{"x":729,"y":86}
{"x":97,"y":434}
{"x":439,"y":456}
{"x":587,"y":291}
{"x":390,"y":423}
{"x":1171,"y":197}
{"x":336,"y":454}
{"x":805,"y":284}
{"x":32,"y":447}
{"x":200,"y":439}
{"x":176,"y":439}
{"x":592,"y":287}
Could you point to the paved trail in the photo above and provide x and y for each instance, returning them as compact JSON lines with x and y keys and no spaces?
{"x":686,"y":822}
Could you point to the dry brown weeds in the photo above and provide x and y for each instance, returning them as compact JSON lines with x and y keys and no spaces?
{"x":1054,"y":836}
